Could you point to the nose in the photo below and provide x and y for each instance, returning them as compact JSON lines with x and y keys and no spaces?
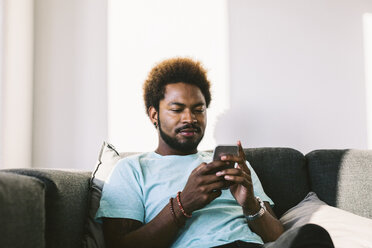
{"x":188,"y":117}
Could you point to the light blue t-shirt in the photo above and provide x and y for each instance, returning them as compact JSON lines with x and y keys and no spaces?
{"x":140,"y":186}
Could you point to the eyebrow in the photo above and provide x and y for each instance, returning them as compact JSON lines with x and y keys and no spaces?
{"x":183,"y":105}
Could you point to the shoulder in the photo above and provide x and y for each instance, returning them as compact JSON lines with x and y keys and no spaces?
{"x":133,"y":159}
{"x":131,"y":163}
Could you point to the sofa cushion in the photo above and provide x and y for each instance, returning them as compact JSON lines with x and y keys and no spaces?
{"x":346,"y":229}
{"x":65,"y":203}
{"x":342,"y":178}
{"x":281,"y":170}
{"x":22,"y":211}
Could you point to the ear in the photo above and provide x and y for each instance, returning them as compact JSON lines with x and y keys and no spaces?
{"x":153,"y":114}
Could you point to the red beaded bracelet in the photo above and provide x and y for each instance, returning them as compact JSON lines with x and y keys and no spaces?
{"x":180,"y":206}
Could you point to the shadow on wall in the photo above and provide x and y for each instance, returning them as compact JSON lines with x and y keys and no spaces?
{"x":255,"y":128}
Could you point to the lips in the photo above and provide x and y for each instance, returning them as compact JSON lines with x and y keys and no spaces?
{"x":192,"y":128}
{"x":188,"y":131}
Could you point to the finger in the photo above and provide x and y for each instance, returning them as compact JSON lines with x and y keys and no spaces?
{"x":241,"y":151}
{"x":200,"y":167}
{"x":230,"y":174}
{"x":209,"y":179}
{"x":245,"y":169}
{"x":212,"y":167}
{"x":234,"y":171}
{"x":232,"y":158}
{"x":245,"y":181}
{"x":216,"y":186}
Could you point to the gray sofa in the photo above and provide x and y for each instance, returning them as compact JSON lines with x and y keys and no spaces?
{"x":48,"y":208}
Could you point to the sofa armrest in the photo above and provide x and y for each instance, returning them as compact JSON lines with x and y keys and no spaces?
{"x":66,"y":204}
{"x":22,"y":211}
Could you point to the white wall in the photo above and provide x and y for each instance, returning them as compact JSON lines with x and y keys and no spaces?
{"x":297,"y":74}
{"x":292,"y":73}
{"x":142,"y":33}
{"x":70,"y":97}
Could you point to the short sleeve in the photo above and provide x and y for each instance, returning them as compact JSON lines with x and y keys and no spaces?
{"x":257,"y":187}
{"x":122,"y":194}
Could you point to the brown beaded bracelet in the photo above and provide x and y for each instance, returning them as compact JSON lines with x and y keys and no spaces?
{"x":173,"y":213}
{"x":180,"y":206}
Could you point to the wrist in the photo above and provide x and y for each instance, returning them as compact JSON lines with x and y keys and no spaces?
{"x":251,"y":207}
{"x":181,"y":207}
{"x":259,"y":213}
{"x":179,"y":215}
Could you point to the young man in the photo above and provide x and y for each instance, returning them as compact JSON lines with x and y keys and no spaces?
{"x":177,"y":196}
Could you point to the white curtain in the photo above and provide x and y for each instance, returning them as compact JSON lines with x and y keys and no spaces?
{"x":16,"y":83}
{"x":53,"y":85}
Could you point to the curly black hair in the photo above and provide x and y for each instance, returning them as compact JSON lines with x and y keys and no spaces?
{"x":174,"y":70}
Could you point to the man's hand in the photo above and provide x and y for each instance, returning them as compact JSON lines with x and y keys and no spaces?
{"x":203,"y":186}
{"x":267,"y":226}
{"x":240,"y":177}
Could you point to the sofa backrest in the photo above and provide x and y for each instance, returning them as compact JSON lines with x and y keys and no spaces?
{"x":283,"y":174}
{"x":343,"y":178}
{"x":339,"y":177}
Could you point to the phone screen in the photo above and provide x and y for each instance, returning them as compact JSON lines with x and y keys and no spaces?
{"x":224,"y":150}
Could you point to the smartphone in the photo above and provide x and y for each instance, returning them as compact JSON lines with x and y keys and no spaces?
{"x":225,"y":150}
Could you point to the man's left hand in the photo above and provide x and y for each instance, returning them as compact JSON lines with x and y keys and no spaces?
{"x":240,"y":177}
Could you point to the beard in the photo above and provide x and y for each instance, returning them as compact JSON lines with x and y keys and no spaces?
{"x":187,"y":146}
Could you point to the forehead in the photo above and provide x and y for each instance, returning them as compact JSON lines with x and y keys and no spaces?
{"x":183,"y":93}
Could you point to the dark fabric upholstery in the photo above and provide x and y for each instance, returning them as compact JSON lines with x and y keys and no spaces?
{"x":66,"y":205}
{"x":22,"y":212}
{"x":343,"y":178}
{"x":283,"y":175}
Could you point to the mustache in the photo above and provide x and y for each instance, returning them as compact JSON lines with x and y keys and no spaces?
{"x":189,"y":126}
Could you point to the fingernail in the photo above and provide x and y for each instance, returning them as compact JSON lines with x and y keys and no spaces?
{"x":219,"y":173}
{"x":223,"y":157}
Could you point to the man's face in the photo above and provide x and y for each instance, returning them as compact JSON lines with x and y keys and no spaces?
{"x":182,"y":117}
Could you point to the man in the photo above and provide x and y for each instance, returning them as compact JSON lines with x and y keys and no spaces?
{"x":177,"y":196}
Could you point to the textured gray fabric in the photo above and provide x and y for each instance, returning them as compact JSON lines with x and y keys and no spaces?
{"x":66,"y":205}
{"x":283,"y":174}
{"x":22,"y":212}
{"x":342,"y":178}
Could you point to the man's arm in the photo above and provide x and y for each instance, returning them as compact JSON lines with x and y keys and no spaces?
{"x":159,"y":232}
{"x":202,"y":187}
{"x":267,"y":226}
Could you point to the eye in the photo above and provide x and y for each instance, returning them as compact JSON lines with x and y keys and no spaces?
{"x":199,"y":110}
{"x":176,"y":110}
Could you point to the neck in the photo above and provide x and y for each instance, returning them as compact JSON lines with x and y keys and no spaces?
{"x":164,"y":150}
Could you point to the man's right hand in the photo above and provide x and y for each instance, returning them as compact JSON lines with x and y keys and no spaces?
{"x":203,"y":186}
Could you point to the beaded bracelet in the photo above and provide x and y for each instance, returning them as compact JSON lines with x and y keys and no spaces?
{"x":180,"y":206}
{"x":173,"y":213}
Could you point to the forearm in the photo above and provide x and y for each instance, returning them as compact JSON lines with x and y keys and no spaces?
{"x":267,"y":226}
{"x":159,"y":232}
